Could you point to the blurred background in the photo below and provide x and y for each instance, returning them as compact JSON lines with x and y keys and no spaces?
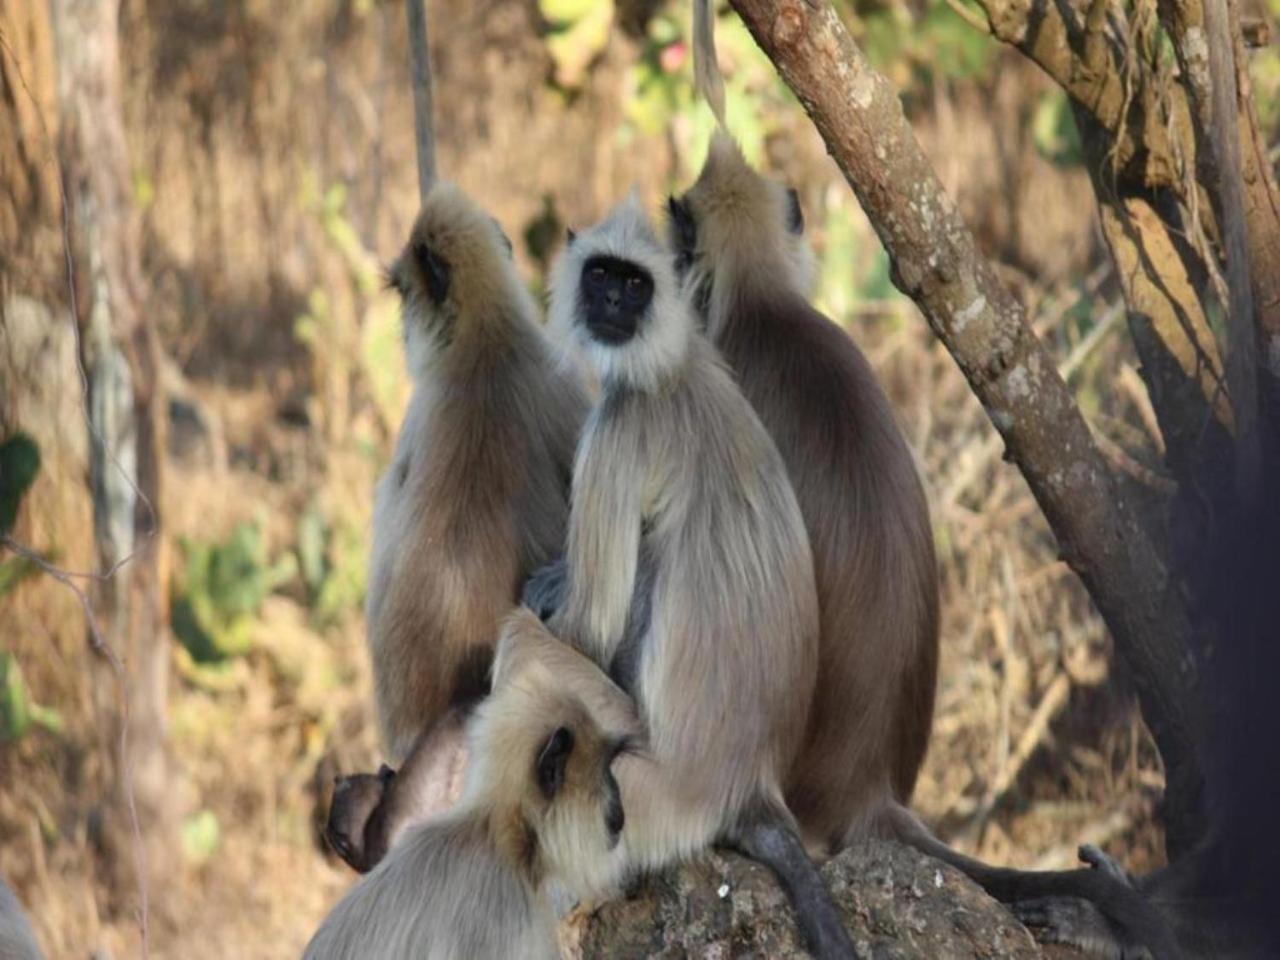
{"x":271,"y":159}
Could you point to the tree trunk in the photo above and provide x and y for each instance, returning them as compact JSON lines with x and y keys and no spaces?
{"x":120,"y":353}
{"x":936,"y":262}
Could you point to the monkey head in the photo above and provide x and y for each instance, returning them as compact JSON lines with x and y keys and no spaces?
{"x":353,"y":829}
{"x":542,"y":757}
{"x":615,"y":298}
{"x":736,"y":228}
{"x":454,"y":276}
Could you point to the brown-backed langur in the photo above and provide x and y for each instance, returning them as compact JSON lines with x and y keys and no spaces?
{"x":540,"y":805}
{"x":681,"y":500}
{"x":746,"y":268}
{"x":477,"y":494}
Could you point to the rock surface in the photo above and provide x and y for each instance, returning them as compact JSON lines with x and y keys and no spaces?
{"x":897,"y":904}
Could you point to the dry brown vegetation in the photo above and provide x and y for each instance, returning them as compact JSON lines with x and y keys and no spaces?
{"x":273,"y":168}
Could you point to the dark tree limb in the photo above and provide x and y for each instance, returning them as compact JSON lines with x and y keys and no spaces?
{"x":936,"y":262}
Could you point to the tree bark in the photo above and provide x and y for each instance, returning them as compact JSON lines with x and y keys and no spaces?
{"x":936,"y":262}
{"x":120,"y":353}
{"x":895,"y":902}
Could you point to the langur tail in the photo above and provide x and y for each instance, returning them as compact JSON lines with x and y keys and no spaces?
{"x":706,"y":70}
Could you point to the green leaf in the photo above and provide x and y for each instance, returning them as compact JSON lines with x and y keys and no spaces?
{"x":19,"y":464}
{"x":15,"y":712}
{"x":201,"y":836}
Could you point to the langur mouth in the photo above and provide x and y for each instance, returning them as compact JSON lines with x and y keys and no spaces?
{"x":611,"y":332}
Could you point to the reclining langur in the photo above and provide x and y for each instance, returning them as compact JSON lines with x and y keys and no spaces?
{"x":540,"y":805}
{"x":477,"y":494}
{"x":680,"y":497}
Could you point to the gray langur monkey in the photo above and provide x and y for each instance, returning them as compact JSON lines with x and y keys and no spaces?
{"x":476,"y":496}
{"x":746,"y":268}
{"x":17,"y":942}
{"x":689,"y":574}
{"x":540,"y":805}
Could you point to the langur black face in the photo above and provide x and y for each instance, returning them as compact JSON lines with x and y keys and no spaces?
{"x":615,"y":296}
{"x":559,"y":766}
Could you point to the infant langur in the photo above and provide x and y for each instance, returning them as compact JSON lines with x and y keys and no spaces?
{"x":540,"y":805}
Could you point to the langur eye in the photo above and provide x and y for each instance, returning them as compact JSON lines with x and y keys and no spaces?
{"x":597,"y":274}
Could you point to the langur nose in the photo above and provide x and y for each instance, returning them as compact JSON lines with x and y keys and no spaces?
{"x":613,"y":298}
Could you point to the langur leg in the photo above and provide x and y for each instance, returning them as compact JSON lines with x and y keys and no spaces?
{"x":371,"y":811}
{"x":769,"y":836}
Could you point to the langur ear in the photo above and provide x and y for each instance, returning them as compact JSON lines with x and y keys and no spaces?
{"x":435,"y":272}
{"x":552,"y":762}
{"x":570,"y":235}
{"x":795,"y":216}
{"x":684,"y":227}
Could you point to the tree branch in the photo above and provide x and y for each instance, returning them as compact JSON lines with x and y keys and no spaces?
{"x":936,"y":262}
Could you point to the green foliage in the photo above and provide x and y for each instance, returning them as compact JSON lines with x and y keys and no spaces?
{"x":1053,"y":129}
{"x":916,"y":46}
{"x":223,"y":589}
{"x":18,"y":713}
{"x":579,"y":33}
{"x":333,"y":561}
{"x":201,"y":835}
{"x":19,"y":464}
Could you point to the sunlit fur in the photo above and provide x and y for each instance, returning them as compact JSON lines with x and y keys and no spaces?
{"x":858,"y":487}
{"x":673,"y":453}
{"x":476,"y":496}
{"x":17,"y":942}
{"x":472,"y":883}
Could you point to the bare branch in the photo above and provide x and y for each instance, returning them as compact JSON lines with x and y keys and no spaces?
{"x":936,"y":262}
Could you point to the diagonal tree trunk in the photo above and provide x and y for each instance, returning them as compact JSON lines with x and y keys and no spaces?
{"x":936,"y":262}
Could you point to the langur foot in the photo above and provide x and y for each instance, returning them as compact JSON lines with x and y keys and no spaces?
{"x":770,"y":839}
{"x":1076,"y":923}
{"x":1094,"y":856}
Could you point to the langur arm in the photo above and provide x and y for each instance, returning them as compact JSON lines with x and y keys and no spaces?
{"x":604,"y":543}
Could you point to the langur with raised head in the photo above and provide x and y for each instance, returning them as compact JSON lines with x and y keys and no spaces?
{"x":476,"y":496}
{"x":540,"y":806}
{"x":745,"y":266}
